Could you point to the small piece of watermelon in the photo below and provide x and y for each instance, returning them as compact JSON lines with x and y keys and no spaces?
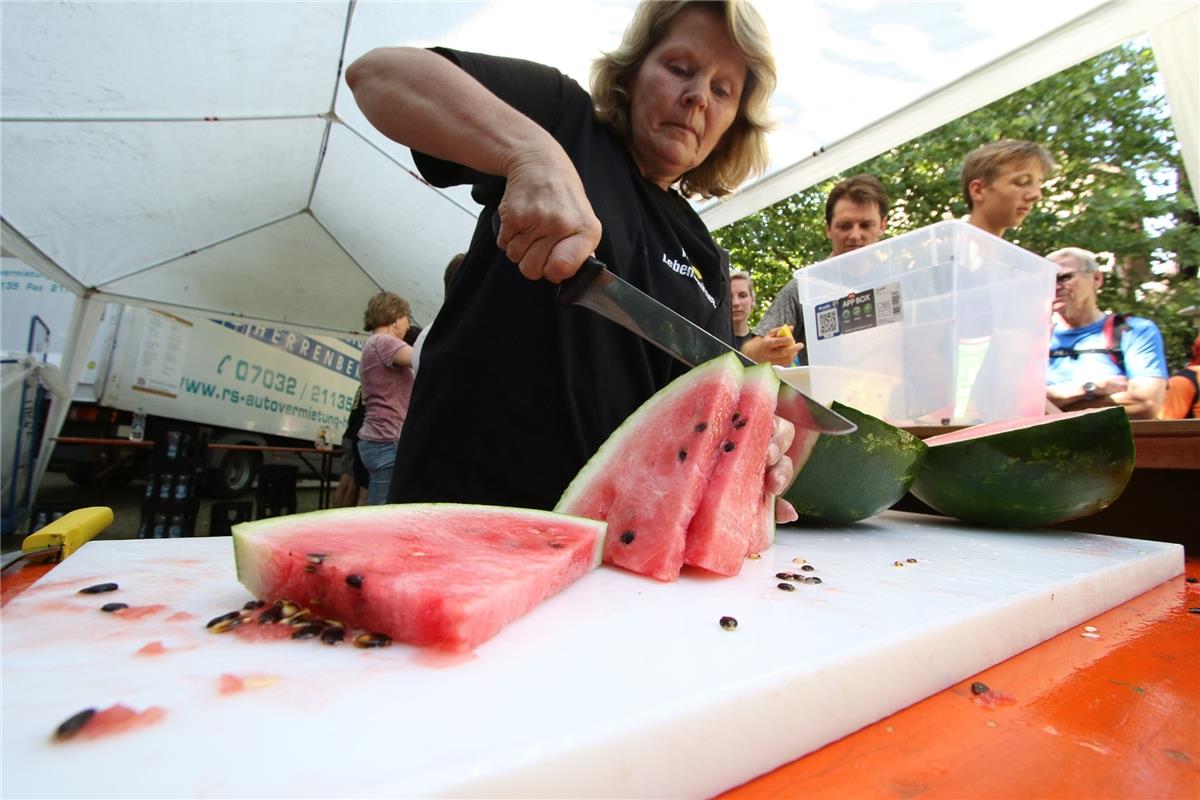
{"x":736,"y":510}
{"x":441,"y":575}
{"x":1031,"y":471}
{"x":647,"y":479}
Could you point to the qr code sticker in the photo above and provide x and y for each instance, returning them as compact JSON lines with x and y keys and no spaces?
{"x":827,"y":321}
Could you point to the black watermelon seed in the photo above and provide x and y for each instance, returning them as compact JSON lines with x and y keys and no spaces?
{"x":1193,"y":580}
{"x":911,"y":560}
{"x":736,"y":415}
{"x":627,"y":537}
{"x":813,"y":579}
{"x":99,"y":588}
{"x":786,"y":576}
{"x":355,"y":580}
{"x":223,"y":618}
{"x":787,"y":587}
{"x":74,"y":724}
{"x":728,"y":623}
{"x":728,"y":447}
{"x":270,"y":616}
{"x":741,"y":423}
{"x":1194,"y":610}
{"x":701,"y":427}
{"x":979,"y":687}
{"x":310,"y":630}
{"x":253,"y":604}
{"x":372,"y":640}
{"x":333,"y":635}
{"x":683,"y":455}
{"x":111,"y":607}
{"x":807,"y":567}
{"x":557,"y":545}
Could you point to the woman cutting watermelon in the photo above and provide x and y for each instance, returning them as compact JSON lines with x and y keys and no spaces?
{"x":516,"y":391}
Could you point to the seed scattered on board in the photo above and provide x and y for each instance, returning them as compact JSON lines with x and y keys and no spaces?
{"x":786,"y":587}
{"x":728,"y":623}
{"x":111,"y":607}
{"x":754,"y":556}
{"x":74,"y":724}
{"x":1090,"y":628}
{"x":99,"y":588}
{"x":979,"y":687}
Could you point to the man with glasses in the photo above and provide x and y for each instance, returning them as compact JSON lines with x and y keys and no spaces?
{"x":1099,"y":359}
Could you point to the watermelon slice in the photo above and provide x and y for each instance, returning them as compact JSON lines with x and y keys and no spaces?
{"x":647,"y":479}
{"x":1029,"y":472}
{"x":855,"y":476}
{"x":442,"y":575}
{"x":735,"y":512}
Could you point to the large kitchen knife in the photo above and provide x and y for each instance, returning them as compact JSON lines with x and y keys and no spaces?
{"x":596,"y":288}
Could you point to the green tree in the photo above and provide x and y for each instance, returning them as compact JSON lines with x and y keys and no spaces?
{"x":1107,"y":127}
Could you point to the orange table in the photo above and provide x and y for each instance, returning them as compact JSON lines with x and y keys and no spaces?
{"x":1116,"y":716}
{"x":1111,"y":717}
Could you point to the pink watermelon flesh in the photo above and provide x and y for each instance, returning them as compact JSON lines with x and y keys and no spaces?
{"x":647,"y":479}
{"x":732,"y":513}
{"x":1003,"y":426}
{"x":441,"y":575}
{"x":794,"y":408}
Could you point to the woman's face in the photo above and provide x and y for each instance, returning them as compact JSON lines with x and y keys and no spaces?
{"x":684,"y":96}
{"x":742,"y":301}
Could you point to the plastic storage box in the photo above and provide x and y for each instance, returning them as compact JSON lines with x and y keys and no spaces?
{"x":947,"y":324}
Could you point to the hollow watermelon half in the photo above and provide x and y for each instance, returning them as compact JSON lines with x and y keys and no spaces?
{"x":851,"y":477}
{"x":441,"y":575}
{"x":1029,"y":472}
{"x":735,"y":512}
{"x":648,"y":477}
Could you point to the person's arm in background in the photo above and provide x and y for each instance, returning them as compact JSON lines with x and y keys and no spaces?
{"x":1141,"y":394}
{"x":764,"y":347}
{"x":424,"y":101}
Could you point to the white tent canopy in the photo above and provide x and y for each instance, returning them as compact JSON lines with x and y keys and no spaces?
{"x":207,"y":156}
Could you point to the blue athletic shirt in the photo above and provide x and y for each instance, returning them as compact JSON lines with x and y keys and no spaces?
{"x":1142,"y":345}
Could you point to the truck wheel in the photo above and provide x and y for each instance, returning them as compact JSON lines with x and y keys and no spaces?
{"x":236,"y":474}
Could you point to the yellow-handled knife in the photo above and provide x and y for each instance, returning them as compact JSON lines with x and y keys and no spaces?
{"x":61,"y":537}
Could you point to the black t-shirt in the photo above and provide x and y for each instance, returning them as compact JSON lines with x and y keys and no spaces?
{"x":515,"y":390}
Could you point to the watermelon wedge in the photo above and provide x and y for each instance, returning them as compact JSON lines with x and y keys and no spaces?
{"x":1029,"y":472}
{"x":735,"y":512}
{"x":648,"y":478}
{"x":440,"y":575}
{"x":849,"y":478}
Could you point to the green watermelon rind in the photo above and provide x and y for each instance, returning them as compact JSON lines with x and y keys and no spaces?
{"x":1058,"y":470}
{"x":854,"y":476}
{"x":245,"y":533}
{"x":612,"y":448}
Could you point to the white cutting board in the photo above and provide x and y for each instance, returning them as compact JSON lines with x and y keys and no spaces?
{"x":620,"y":686}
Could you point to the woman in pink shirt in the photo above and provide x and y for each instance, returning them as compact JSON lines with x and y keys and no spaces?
{"x":387,"y":378}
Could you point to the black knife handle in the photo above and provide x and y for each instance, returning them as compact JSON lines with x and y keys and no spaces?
{"x":570,"y":290}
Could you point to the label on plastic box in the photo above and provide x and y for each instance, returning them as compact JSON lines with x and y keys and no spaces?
{"x":858,"y":311}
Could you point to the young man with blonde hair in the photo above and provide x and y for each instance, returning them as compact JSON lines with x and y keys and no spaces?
{"x":1002,"y":182}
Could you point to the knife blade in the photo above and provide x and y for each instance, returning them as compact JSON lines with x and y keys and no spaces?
{"x":598,"y":289}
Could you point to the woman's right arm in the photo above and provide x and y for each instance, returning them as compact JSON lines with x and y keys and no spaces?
{"x":426,"y":102}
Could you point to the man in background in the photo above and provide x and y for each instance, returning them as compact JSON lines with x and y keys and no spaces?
{"x":1002,"y":182}
{"x":1099,"y":359}
{"x":855,"y":216}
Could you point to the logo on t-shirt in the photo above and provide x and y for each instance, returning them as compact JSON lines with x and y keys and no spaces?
{"x":685,"y":268}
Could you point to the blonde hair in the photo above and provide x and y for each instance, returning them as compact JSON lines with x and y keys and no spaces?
{"x":743,"y":275}
{"x":742,"y":151}
{"x":984,"y":163}
{"x":384,"y":309}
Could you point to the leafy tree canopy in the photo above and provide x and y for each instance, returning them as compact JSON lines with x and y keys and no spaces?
{"x":1116,"y":189}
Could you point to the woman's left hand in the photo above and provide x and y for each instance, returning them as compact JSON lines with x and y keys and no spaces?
{"x":780,"y":469}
